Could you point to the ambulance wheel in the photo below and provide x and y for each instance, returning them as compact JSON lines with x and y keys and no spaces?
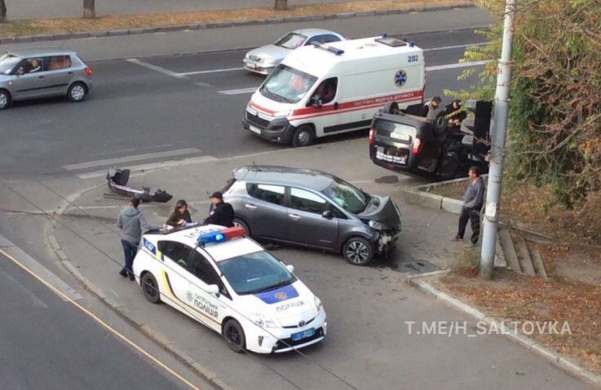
{"x":240,"y":223}
{"x":150,"y":288}
{"x":303,"y":136}
{"x":391,"y":108}
{"x":234,"y":334}
{"x":358,"y":251}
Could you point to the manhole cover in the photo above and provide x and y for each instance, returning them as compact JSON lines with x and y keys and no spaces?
{"x":388,"y":179}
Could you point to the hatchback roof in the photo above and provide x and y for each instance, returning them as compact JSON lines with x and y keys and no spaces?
{"x":39,"y":51}
{"x":272,"y":174}
{"x":313,"y":31}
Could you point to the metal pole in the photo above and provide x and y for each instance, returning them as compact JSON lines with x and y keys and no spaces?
{"x":497,"y":150}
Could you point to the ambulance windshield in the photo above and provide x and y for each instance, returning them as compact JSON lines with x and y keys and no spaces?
{"x":287,"y":85}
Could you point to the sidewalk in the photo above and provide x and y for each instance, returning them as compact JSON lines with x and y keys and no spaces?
{"x":229,"y":38}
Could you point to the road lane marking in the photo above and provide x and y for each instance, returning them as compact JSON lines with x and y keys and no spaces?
{"x":242,"y":91}
{"x":156,"y":68}
{"x":137,"y":157}
{"x":457,"y":46}
{"x":150,"y":167}
{"x":101,"y":322}
{"x":456,"y":66}
{"x":239,"y":91}
{"x":211,"y":71}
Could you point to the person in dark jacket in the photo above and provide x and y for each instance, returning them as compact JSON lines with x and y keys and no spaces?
{"x":132,"y":224}
{"x":473,"y":200}
{"x":221,"y":213}
{"x":455,"y":115}
{"x":180,"y":216}
{"x":429,"y":110}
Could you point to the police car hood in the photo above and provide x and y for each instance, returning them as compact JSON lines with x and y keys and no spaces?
{"x":287,"y":305}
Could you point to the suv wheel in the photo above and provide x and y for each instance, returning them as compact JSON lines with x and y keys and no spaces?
{"x":358,"y":251}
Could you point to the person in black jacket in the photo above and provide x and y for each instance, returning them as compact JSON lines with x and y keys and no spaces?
{"x":221,"y":213}
{"x":180,"y":215}
{"x":455,"y":115}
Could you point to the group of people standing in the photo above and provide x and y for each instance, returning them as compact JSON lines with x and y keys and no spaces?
{"x":133,"y":224}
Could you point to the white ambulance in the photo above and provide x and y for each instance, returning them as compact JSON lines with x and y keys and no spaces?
{"x":334,"y":88}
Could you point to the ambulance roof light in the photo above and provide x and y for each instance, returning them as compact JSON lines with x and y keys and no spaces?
{"x":220,"y":235}
{"x":329,"y":48}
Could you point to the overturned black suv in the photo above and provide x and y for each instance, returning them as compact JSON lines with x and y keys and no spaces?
{"x":404,"y":142}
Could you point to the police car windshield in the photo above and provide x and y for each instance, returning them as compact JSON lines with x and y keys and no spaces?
{"x":8,"y":62}
{"x":347,"y":196}
{"x":255,"y":272}
{"x":286,"y":84}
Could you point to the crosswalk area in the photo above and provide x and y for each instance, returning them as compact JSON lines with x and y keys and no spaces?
{"x":142,"y":162}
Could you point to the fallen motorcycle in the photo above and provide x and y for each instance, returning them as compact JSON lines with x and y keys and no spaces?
{"x":117,"y":182}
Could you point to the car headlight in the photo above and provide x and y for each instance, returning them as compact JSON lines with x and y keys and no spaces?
{"x":318,"y":304}
{"x":283,"y":113}
{"x":262,"y":321}
{"x":376,"y":225}
{"x":268,"y":61}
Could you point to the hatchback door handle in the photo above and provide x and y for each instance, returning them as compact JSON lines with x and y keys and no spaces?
{"x":294,"y":216}
{"x":250,"y":206}
{"x":70,"y":73}
{"x":40,"y":77}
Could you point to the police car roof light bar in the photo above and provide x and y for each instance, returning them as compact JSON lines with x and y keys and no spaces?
{"x":221,"y":235}
{"x":328,"y":48}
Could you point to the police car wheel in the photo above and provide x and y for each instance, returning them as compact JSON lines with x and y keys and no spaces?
{"x":242,"y":224}
{"x":234,"y":334}
{"x":303,"y":136}
{"x":150,"y":288}
{"x":358,"y":251}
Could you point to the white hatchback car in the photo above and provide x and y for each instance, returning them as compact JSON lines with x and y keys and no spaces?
{"x":232,"y":285}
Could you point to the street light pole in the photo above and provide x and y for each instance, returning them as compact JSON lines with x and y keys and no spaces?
{"x":497,"y":150}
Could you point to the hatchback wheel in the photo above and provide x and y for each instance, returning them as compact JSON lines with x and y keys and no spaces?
{"x":358,"y":251}
{"x":77,"y":92}
{"x":4,"y":99}
{"x":233,"y":332}
{"x":150,"y":288}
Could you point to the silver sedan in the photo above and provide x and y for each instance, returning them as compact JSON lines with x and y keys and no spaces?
{"x":264,"y":59}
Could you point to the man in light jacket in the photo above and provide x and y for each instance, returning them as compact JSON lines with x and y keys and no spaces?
{"x":473,"y":200}
{"x":132,"y":224}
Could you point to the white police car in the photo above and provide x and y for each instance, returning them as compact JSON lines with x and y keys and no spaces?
{"x":232,"y":285}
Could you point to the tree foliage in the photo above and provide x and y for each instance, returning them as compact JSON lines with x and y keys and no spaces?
{"x":555,"y":110}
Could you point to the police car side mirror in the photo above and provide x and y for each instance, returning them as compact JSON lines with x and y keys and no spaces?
{"x":290,"y":268}
{"x":212,"y":289}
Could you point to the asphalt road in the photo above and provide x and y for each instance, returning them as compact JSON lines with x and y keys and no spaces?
{"x":46,"y":343}
{"x":137,"y":108}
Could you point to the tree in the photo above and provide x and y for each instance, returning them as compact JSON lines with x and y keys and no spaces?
{"x":89,"y":9}
{"x":555,"y":116}
{"x":280,"y":5}
{"x":3,"y":18}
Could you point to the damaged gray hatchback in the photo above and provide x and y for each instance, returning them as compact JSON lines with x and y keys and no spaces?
{"x":313,"y":209}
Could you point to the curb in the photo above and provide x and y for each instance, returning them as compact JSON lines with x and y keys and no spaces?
{"x":235,"y":23}
{"x":122,"y":311}
{"x":532,"y":345}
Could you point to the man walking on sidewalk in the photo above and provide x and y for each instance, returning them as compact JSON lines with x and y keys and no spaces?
{"x":132,"y":224}
{"x":473,"y":201}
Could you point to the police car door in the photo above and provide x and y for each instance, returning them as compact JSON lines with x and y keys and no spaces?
{"x":207,"y":307}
